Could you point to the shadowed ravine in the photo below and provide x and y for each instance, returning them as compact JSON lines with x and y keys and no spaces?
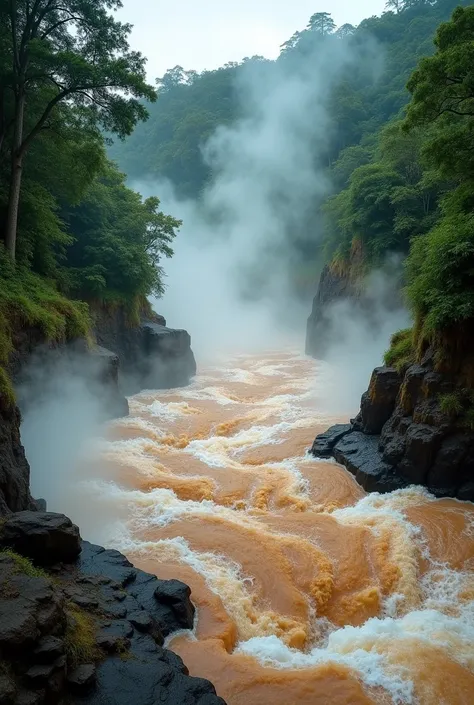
{"x":307,"y":590}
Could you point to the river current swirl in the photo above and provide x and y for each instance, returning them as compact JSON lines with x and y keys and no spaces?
{"x":307,"y":590}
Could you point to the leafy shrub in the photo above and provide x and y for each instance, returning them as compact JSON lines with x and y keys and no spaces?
{"x":451,"y":404}
{"x":401,"y":353}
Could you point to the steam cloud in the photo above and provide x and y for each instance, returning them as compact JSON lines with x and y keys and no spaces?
{"x":358,"y":337}
{"x":229,"y":281}
{"x":62,"y":411}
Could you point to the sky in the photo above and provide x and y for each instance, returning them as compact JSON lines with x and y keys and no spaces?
{"x":205,"y":34}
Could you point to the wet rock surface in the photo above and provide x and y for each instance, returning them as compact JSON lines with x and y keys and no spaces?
{"x":152,"y":356}
{"x":403,"y":437}
{"x":89,"y":630}
{"x":14,"y":467}
{"x":44,"y":537}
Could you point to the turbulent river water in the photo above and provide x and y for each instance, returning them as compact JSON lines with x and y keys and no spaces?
{"x":308,"y":591}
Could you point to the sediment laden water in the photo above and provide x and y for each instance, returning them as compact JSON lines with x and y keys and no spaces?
{"x":307,"y":590}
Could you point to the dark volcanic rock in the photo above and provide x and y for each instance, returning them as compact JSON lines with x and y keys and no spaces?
{"x":82,"y":677}
{"x":324,"y":444}
{"x":445,"y":474}
{"x":359,"y":453}
{"x":168,"y":359}
{"x":178,"y":596}
{"x":421,"y":446}
{"x":466,"y":492}
{"x":37,"y":631}
{"x":378,"y":402}
{"x":402,"y":436}
{"x":14,"y":468}
{"x":151,"y":355}
{"x":29,"y":607}
{"x":44,"y":537}
{"x":166,"y":601}
{"x":108,"y":365}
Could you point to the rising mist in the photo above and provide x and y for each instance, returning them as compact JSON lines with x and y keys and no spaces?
{"x":231,"y":281}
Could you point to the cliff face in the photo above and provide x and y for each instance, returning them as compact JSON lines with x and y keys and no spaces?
{"x":80,"y":624}
{"x":152,"y":356}
{"x":332,"y":288}
{"x":14,"y":468}
{"x":402,"y":436}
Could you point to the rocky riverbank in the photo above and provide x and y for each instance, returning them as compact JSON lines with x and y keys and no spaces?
{"x":80,"y":624}
{"x":404,"y":435}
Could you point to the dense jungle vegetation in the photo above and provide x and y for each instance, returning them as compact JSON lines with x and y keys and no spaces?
{"x":399,"y":152}
{"x":74,"y":233}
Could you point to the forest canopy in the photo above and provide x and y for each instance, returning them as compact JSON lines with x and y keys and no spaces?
{"x":70,"y":224}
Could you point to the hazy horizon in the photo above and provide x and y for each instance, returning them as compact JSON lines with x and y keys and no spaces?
{"x":210,"y":34}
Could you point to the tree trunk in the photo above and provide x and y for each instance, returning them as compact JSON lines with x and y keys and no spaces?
{"x":15,"y":179}
{"x":13,"y":205}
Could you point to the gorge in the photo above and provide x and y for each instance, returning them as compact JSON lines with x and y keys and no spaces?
{"x":201,"y":514}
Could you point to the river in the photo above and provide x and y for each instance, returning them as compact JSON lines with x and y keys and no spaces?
{"x":307,"y":590}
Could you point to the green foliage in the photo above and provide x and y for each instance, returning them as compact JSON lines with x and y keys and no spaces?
{"x":469,"y":419}
{"x":26,"y":299}
{"x":119,"y":241}
{"x":23,"y":565}
{"x":80,"y":637}
{"x":82,"y":234}
{"x":441,"y":265}
{"x":191,"y":106}
{"x":401,"y":353}
{"x":451,"y":404}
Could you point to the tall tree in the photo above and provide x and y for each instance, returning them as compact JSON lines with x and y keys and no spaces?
{"x":396,"y":5}
{"x":322,"y":22}
{"x":73,"y":51}
{"x":347,"y":30}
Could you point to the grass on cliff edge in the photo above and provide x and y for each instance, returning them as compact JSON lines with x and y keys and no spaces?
{"x":26,"y":299}
{"x":80,"y":640}
{"x":401,"y":353}
{"x":23,"y":565}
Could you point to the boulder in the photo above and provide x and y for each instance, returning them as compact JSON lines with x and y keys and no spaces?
{"x":82,"y":677}
{"x":359,"y":453}
{"x":30,"y":607}
{"x":44,"y":537}
{"x":168,"y":602}
{"x":152,"y":356}
{"x":107,"y":374}
{"x":378,"y":403}
{"x":324,"y":444}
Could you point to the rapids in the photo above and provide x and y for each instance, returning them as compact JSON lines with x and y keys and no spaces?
{"x":307,"y":590}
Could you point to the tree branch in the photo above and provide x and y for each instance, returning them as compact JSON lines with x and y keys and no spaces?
{"x":71,"y":18}
{"x":39,"y":125}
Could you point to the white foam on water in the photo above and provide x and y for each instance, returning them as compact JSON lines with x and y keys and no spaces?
{"x":371,"y":666}
{"x":272,"y":370}
{"x":218,"y":451}
{"x":209,"y":394}
{"x":223,"y":576}
{"x":299,"y":486}
{"x":241,"y":376}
